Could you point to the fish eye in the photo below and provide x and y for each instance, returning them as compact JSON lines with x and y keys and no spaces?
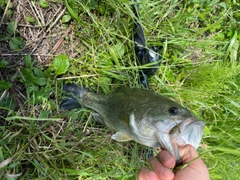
{"x":173,"y":110}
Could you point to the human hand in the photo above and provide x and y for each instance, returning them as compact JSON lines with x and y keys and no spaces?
{"x":162,"y":163}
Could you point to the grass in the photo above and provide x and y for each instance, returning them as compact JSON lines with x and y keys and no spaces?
{"x":200,"y":69}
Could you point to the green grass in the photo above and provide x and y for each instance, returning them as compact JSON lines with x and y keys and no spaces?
{"x":200,"y":69}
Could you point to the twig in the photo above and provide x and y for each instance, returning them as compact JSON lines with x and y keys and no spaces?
{"x":89,"y":118}
{"x":4,"y":94}
{"x":5,"y":11}
{"x":33,"y":119}
{"x":42,"y":24}
{"x":76,"y":77}
{"x":59,"y":42}
{"x":13,"y":92}
{"x":56,"y":95}
{"x":58,"y":17}
{"x":61,"y":39}
{"x":34,"y":10}
{"x":23,"y":54}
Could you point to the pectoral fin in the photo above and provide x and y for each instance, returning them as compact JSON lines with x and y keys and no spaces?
{"x":121,"y":137}
{"x":98,"y":118}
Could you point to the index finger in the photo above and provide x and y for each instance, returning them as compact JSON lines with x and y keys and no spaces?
{"x":166,"y":158}
{"x":163,"y":172}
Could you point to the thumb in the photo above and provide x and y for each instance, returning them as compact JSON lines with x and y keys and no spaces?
{"x":188,"y":153}
{"x":196,"y":169}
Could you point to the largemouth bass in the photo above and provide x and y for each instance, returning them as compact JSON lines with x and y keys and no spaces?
{"x":140,"y":115}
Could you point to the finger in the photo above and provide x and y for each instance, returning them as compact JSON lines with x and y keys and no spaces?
{"x":147,"y":174}
{"x":166,"y":158}
{"x":188,"y":153}
{"x":196,"y":168}
{"x":161,"y":171}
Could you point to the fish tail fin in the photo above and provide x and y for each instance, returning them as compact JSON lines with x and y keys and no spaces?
{"x":73,"y":97}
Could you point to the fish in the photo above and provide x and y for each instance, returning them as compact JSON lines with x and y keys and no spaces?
{"x":141,"y":115}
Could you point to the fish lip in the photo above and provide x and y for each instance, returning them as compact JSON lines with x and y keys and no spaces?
{"x":190,"y":132}
{"x":182,"y":126}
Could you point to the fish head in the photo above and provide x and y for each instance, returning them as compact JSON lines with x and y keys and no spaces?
{"x":175,"y":126}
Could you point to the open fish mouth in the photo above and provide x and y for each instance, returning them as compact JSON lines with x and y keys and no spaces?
{"x":188,"y":132}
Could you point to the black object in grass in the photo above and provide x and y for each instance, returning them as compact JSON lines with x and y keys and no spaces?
{"x":144,"y":54}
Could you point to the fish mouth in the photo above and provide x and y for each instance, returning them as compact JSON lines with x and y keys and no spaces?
{"x":186,"y":132}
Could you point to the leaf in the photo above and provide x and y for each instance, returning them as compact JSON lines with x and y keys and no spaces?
{"x":207,"y":131}
{"x":3,"y":38}
{"x":28,"y":61}
{"x":234,"y":51}
{"x":60,"y":64}
{"x":16,"y":43}
{"x":123,"y":1}
{"x":5,"y":85}
{"x":38,"y":72}
{"x":41,"y":81}
{"x":10,"y":5}
{"x":9,"y":12}
{"x":233,"y":46}
{"x":105,"y":82}
{"x":43,"y":3}
{"x":34,"y":76}
{"x":73,"y":13}
{"x":2,"y":4}
{"x":92,"y":4}
{"x":3,"y":63}
{"x":48,"y":71}
{"x":117,"y":51}
{"x":30,"y":19}
{"x":66,"y":18}
{"x":27,"y":75}
{"x":44,"y":114}
{"x":11,"y":28}
{"x":1,"y":154}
